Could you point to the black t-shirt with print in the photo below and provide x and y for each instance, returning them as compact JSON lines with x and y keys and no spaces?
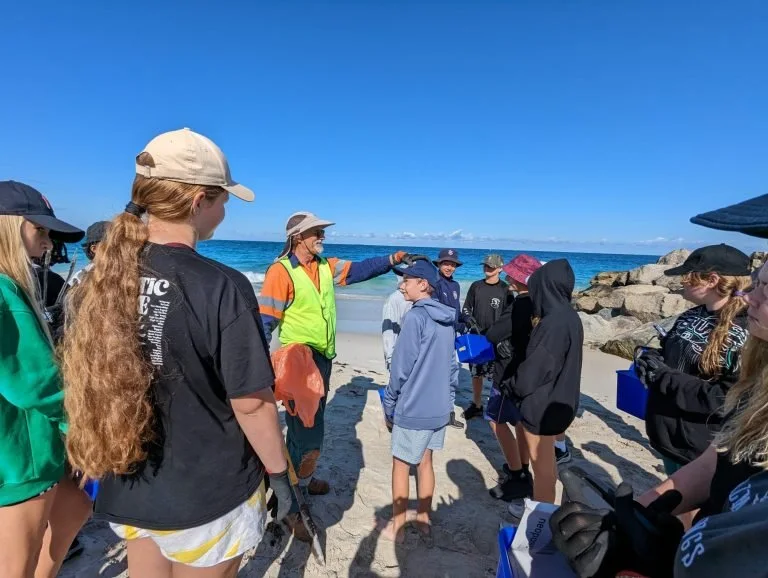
{"x":731,"y":543}
{"x":202,"y":332}
{"x":485,"y":302}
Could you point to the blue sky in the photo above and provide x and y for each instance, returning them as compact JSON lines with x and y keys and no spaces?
{"x":596,"y":125}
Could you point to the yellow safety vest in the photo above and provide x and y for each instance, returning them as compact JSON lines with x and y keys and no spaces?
{"x":311,"y":317}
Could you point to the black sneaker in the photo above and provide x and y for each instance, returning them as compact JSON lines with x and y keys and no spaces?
{"x":562,"y":457}
{"x":473,"y":411}
{"x":506,"y":472}
{"x":454,"y":422}
{"x":513,"y":488}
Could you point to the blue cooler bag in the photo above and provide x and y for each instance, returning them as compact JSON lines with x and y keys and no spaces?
{"x":631,"y":394}
{"x":474,"y":349}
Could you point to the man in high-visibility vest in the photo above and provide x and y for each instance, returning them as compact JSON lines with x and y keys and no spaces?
{"x":298,"y":297}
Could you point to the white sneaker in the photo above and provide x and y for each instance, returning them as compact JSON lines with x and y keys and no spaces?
{"x":516,"y":508}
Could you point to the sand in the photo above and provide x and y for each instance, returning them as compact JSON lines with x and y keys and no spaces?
{"x":357,"y":462}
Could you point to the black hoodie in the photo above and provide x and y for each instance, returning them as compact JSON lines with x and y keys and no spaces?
{"x":548,"y":383}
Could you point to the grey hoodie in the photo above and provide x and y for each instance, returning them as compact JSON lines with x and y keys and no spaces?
{"x":418,"y":394}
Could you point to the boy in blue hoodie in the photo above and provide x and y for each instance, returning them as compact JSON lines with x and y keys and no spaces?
{"x":417,"y":403}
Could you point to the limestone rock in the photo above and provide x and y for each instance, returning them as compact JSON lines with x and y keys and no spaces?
{"x":587,"y":304}
{"x":646,"y":275}
{"x":609,"y":314}
{"x":646,"y":335}
{"x":674,"y":305}
{"x":645,"y":306}
{"x":614,"y":299}
{"x":674,"y":284}
{"x":675,"y":258}
{"x":610,"y":278}
{"x":596,"y":329}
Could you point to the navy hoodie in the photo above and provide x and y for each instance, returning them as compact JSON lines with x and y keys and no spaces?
{"x":449,"y":293}
{"x":418,"y":394}
{"x":547,"y":385}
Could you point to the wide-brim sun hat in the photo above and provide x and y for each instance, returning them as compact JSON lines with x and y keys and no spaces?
{"x":749,"y":217}
{"x":22,"y":200}
{"x":521,"y":268}
{"x":308,"y":221}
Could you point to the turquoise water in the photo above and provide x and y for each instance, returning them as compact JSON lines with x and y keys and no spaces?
{"x":253,"y":258}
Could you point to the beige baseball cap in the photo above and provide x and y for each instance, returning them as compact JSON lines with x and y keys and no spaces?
{"x":185,"y":156}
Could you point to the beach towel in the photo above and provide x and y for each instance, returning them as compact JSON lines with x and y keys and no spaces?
{"x":298,"y":380}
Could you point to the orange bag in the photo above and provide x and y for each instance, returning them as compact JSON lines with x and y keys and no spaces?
{"x":297,"y":379}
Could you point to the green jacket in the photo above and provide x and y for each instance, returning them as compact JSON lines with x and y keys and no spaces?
{"x":31,"y":402}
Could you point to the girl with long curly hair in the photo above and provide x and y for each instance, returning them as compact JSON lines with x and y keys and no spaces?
{"x":700,"y":357}
{"x":168,"y":380}
{"x":41,"y":508}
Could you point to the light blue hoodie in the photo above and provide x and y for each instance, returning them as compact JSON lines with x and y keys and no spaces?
{"x":418,"y":394}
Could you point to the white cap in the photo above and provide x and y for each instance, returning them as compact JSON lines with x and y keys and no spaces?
{"x":185,"y":156}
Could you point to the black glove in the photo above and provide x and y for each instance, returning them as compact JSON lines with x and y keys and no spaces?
{"x":600,"y":542}
{"x":409,"y":258}
{"x":280,"y":503}
{"x":649,"y":366}
{"x":505,"y":387}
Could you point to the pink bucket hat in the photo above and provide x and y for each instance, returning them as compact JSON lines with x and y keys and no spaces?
{"x":521,"y":268}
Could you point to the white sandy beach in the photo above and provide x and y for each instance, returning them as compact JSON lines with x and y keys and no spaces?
{"x":357,"y":462}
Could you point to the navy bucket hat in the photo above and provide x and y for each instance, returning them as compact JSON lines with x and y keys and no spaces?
{"x":450,"y":255}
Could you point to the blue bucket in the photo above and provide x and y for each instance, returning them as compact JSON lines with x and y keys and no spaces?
{"x":631,"y":393}
{"x":506,"y":535}
{"x":475,"y":349}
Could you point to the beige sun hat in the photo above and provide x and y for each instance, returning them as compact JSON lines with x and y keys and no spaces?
{"x":307,"y":222}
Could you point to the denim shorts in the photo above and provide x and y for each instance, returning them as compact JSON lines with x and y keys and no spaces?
{"x":409,"y":445}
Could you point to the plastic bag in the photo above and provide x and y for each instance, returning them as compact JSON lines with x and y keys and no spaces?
{"x":297,"y":379}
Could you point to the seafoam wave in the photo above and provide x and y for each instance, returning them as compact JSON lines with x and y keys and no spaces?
{"x":254,"y":277}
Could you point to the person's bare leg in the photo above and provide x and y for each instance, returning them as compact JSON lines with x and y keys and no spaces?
{"x":542,"y":450}
{"x":522,"y":445}
{"x":22,"y":528}
{"x":508,"y":444}
{"x":146,"y":561}
{"x":226,"y":569}
{"x":394,"y":528}
{"x":425,"y":484}
{"x":70,"y":510}
{"x":560,"y":437}
{"x":477,"y":390}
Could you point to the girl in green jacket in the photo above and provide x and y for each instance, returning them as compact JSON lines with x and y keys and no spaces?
{"x":41,"y":508}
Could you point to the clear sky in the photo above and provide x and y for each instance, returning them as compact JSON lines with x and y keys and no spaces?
{"x":598,"y":125}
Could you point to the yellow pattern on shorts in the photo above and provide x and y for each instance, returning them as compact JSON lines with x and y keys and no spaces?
{"x":225,"y":538}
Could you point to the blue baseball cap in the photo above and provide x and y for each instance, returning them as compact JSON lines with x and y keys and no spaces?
{"x":23,"y":201}
{"x":421,"y":270}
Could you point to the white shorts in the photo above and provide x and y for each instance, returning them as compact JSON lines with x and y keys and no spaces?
{"x":227,"y":537}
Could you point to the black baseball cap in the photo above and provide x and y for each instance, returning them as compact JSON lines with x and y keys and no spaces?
{"x":23,"y":201}
{"x":721,"y":259}
{"x":450,"y":255}
{"x":95,"y":233}
{"x":749,"y":217}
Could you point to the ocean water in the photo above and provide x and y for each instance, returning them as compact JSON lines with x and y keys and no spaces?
{"x":253,"y":258}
